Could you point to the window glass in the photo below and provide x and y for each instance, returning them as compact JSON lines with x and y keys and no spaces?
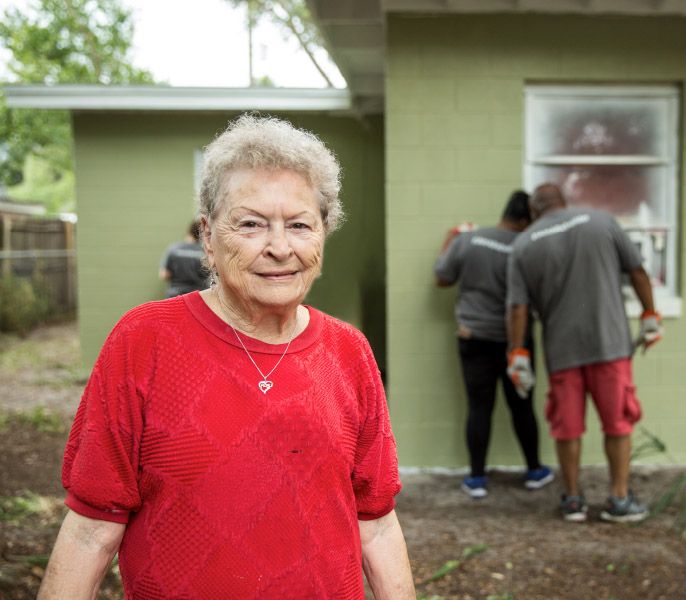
{"x":591,"y":125}
{"x":612,"y":148}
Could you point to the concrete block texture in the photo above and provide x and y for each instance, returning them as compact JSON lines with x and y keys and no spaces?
{"x":455,"y":92}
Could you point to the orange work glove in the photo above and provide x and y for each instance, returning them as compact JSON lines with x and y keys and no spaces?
{"x":520,"y":371}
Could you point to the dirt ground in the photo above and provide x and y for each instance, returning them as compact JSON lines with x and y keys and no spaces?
{"x":509,"y":546}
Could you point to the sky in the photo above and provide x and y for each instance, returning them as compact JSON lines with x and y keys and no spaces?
{"x":205,"y":43}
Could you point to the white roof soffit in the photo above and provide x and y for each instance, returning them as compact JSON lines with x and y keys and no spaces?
{"x":354,"y":29}
{"x":587,"y":7}
{"x":161,"y":98}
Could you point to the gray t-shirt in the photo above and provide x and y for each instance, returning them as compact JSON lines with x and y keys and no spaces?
{"x":184,"y":261}
{"x":568,"y":267}
{"x":478,"y":259}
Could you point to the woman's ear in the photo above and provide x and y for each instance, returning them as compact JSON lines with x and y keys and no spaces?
{"x":206,"y":237}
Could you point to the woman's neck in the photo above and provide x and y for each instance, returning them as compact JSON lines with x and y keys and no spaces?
{"x":275,"y":326}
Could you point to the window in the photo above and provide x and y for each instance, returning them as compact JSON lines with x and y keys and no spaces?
{"x":613,"y":148}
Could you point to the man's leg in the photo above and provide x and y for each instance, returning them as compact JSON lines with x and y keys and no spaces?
{"x":618,"y":451}
{"x":569,"y":457}
{"x":612,"y":389}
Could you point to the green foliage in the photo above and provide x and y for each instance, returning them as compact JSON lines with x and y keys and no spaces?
{"x":21,"y":306}
{"x":470,"y":551}
{"x":38,"y":418}
{"x":43,"y":183}
{"x":55,"y":42}
{"x":447,"y":567}
{"x":41,"y":420}
{"x":648,"y":444}
{"x":450,"y":565}
{"x":71,"y":41}
{"x":15,"y":508}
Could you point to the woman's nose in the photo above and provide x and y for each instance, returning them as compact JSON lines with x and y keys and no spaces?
{"x":278,"y":244}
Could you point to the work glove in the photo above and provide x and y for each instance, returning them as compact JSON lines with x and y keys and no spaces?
{"x":651,"y":329}
{"x":519,"y":370}
{"x":455,"y":231}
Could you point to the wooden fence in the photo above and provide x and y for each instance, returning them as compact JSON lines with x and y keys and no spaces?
{"x":42,"y":250}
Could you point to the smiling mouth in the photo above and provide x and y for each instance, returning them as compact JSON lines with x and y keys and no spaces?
{"x":278,"y":276}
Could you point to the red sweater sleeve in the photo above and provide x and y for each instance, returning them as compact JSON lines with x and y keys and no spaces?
{"x":100,"y":464}
{"x":375,"y":476}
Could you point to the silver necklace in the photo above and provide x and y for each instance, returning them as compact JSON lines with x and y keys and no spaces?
{"x":265,"y":384}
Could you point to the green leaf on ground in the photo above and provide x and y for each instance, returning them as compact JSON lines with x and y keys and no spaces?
{"x":447,"y":567}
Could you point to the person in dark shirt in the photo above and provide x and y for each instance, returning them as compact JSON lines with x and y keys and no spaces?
{"x":477,"y":259}
{"x":182,"y":264}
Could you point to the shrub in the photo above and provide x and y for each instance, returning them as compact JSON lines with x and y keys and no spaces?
{"x":21,"y":306}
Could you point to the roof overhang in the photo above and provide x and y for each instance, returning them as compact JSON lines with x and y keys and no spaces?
{"x":355,"y":38}
{"x":164,"y":98}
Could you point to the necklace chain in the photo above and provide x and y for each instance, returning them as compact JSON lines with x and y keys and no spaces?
{"x":265,"y":384}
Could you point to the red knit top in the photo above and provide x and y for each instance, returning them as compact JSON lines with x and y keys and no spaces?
{"x":228,"y":492}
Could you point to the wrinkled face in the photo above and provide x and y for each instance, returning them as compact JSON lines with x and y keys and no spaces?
{"x":266,"y":240}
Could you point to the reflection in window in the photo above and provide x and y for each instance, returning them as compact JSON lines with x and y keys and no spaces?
{"x":612,"y":148}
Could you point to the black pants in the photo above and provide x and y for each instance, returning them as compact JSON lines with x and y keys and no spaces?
{"x":483,"y":364}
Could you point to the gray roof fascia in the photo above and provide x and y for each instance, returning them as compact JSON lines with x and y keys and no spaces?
{"x":161,"y":98}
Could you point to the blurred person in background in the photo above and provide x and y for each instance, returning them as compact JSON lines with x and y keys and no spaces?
{"x":477,"y":260}
{"x":235,"y":442}
{"x":568,"y":267}
{"x":182,"y":264}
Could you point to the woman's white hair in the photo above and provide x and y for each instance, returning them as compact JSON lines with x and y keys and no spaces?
{"x":252,"y":142}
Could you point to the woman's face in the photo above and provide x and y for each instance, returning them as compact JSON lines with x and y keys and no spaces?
{"x":266,"y":240}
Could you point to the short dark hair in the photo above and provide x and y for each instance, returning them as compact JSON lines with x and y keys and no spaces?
{"x":194,"y":230}
{"x":517,"y":207}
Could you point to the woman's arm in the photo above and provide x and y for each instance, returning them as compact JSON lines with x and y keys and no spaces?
{"x":82,"y":554}
{"x":384,"y":559}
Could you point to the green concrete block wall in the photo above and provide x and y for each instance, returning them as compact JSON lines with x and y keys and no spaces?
{"x":454,"y":151}
{"x":135,"y":194}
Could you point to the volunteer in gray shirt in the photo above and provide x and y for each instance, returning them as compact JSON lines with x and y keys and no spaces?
{"x":182,"y":264}
{"x":568,"y":267}
{"x":478,"y":260}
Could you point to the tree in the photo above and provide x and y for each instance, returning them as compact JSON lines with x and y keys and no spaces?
{"x":294,"y":18}
{"x":58,"y":41}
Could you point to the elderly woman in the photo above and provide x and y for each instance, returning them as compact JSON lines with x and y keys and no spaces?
{"x":235,"y":443}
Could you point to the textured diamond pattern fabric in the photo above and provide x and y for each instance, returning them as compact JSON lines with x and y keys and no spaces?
{"x":228,"y":492}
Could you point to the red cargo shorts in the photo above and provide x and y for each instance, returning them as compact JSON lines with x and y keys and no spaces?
{"x":612,"y":390}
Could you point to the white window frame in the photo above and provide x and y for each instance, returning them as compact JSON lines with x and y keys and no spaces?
{"x":667,"y":298}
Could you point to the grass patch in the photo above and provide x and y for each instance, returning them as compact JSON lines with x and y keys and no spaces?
{"x":40,"y":351}
{"x":674,"y":496}
{"x":16,"y":508}
{"x":38,"y":418}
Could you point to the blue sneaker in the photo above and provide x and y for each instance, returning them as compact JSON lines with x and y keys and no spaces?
{"x":475,"y":486}
{"x":538,"y":478}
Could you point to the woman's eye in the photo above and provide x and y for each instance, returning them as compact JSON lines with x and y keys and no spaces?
{"x":249,"y":224}
{"x":300,"y":226}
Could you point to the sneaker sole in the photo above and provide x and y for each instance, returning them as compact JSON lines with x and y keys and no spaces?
{"x":578,"y":517}
{"x":634,"y":518}
{"x":476,"y":494}
{"x":532,"y":484}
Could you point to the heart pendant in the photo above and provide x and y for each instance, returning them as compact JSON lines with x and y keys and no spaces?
{"x":265,"y":385}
